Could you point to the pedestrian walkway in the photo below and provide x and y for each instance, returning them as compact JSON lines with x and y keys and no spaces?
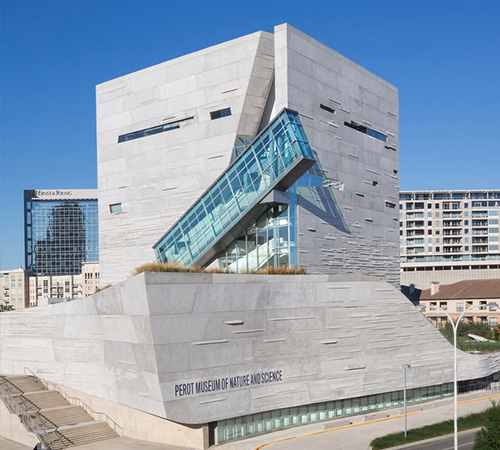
{"x":352,"y":433}
{"x":361,"y":430}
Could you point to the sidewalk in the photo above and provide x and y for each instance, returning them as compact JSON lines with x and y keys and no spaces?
{"x":349,"y":433}
{"x":361,"y":430}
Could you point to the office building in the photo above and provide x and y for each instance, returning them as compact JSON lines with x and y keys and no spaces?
{"x":449,"y":236}
{"x":271,"y":149}
{"x":60,"y":230}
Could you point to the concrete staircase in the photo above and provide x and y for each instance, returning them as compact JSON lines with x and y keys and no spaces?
{"x":47,"y":413}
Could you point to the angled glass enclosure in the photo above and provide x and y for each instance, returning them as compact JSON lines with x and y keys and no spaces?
{"x":274,"y":160}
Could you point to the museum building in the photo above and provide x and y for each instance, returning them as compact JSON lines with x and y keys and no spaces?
{"x":268,"y":150}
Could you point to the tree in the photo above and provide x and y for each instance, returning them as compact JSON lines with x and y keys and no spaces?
{"x":6,"y":308}
{"x":488,"y":437}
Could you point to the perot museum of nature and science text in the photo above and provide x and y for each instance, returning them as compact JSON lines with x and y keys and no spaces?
{"x":268,"y":150}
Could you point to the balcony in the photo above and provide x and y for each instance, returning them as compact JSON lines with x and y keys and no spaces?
{"x":480,"y":249}
{"x":452,"y":249}
{"x":274,"y":160}
{"x":415,"y":232}
{"x":479,"y":223}
{"x":451,"y":241}
{"x":452,"y":223}
{"x":452,"y":232}
{"x":415,"y":224}
{"x":479,"y":232}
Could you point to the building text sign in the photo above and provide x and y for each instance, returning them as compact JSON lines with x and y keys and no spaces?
{"x":227,"y":383}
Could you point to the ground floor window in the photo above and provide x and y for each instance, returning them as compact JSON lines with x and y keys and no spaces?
{"x":253,"y":424}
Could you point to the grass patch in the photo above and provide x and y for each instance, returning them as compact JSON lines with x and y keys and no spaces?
{"x":467,"y":344}
{"x":430,"y":431}
{"x":281,"y":270}
{"x":171,"y":267}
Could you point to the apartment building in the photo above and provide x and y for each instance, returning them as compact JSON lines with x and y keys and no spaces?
{"x":449,"y":236}
{"x":476,"y":299}
{"x":14,"y":288}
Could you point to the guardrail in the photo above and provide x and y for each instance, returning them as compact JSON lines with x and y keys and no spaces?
{"x":20,"y":409}
{"x":75,"y":401}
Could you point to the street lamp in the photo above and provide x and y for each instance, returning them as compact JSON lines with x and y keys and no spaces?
{"x":491,"y":307}
{"x":405,"y":368}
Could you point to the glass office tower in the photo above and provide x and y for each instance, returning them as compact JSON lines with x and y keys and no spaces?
{"x":61,"y":230}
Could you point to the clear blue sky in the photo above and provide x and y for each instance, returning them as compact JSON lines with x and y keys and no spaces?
{"x":444,"y":56}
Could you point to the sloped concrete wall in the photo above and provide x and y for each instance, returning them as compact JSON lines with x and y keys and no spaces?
{"x":195,"y":348}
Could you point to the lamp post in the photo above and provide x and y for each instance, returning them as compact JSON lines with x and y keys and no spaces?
{"x":405,"y":368}
{"x":454,"y":325}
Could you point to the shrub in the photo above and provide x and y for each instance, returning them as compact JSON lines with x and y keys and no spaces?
{"x":280,"y":270}
{"x":488,"y":437}
{"x":166,"y":267}
{"x":172,"y":267}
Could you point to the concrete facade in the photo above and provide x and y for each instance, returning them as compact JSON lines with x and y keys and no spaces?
{"x":347,"y":223}
{"x":148,"y":342}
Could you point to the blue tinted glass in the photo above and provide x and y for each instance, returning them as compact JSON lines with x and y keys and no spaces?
{"x":259,"y":168}
{"x":63,"y":234}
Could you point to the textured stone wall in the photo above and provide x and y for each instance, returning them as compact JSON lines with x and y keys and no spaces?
{"x":158,"y":177}
{"x":363,"y":236}
{"x":316,"y":338}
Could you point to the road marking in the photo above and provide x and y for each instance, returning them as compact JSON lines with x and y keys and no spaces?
{"x":365,"y":423}
{"x":334,"y":429}
{"x":478,"y":399}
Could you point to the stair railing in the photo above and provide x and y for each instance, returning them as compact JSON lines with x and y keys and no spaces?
{"x":75,"y":401}
{"x":20,"y":409}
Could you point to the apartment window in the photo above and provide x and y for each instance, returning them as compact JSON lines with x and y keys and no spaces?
{"x":115,"y":208}
{"x":390,"y":205}
{"x":429,"y":223}
{"x":366,"y":130}
{"x":438,"y":249}
{"x":460,"y":307}
{"x":153,"y":130}
{"x":327,"y":108}
{"x":66,"y":286}
{"x":429,"y":205}
{"x":493,"y":321}
{"x":220,"y":113}
{"x":493,"y":222}
{"x":493,"y":230}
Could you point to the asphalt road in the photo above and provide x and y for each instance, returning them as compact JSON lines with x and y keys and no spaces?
{"x":465,"y":442}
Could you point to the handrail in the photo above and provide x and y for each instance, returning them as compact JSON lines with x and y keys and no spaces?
{"x":75,"y":401}
{"x":20,"y":410}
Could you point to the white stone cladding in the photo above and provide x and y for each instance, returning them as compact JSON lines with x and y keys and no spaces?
{"x":157,"y":178}
{"x":309,"y":74}
{"x":332,"y":337}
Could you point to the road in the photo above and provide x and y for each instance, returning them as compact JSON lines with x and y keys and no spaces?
{"x":465,"y":442}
